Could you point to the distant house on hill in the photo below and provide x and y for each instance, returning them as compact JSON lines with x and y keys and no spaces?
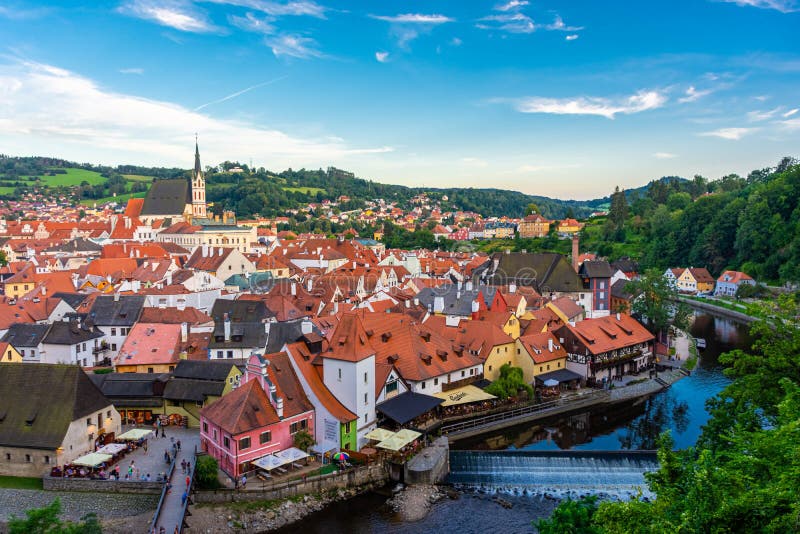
{"x":729,"y":282}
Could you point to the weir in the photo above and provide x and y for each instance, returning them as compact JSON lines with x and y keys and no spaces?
{"x":522,"y":471}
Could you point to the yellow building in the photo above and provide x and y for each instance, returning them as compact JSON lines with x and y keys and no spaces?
{"x":538,"y":354}
{"x":9,"y":353}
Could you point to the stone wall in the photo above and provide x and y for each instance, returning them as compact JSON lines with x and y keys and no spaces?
{"x":719,"y":310}
{"x":432,"y":464}
{"x":13,"y":461}
{"x":351,"y":478}
{"x":103,"y":486}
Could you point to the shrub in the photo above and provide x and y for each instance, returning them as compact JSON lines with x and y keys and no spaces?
{"x":206,"y":473}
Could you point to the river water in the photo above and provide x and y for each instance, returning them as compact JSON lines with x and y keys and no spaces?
{"x":635,"y":425}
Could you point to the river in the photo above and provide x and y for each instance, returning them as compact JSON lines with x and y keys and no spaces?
{"x":636,"y":425}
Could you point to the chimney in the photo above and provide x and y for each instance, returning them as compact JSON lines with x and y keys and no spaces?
{"x":619,"y":316}
{"x":184,"y":332}
{"x":169,"y":279}
{"x":512,"y":288}
{"x":181,"y":304}
{"x":116,"y":296}
{"x":44,"y":291}
{"x":205,"y":250}
{"x":294,"y":289}
{"x":416,"y":301}
{"x":220,"y":251}
{"x":438,"y":304}
{"x":309,"y":285}
{"x":575,"y":251}
{"x":267,"y":326}
{"x":306,"y":326}
{"x":408,"y":303}
{"x":227,"y":325}
{"x":279,"y":407}
{"x":469,"y":285}
{"x":550,"y":344}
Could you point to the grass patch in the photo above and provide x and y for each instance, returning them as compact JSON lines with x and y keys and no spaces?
{"x":137,"y":178}
{"x":119,"y":198}
{"x":20,"y":483}
{"x":73,"y":177}
{"x":304,"y":190}
{"x":5,"y":190}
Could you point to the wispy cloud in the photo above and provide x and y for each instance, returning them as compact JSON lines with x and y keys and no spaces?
{"x":474,"y":162}
{"x":571,"y":37}
{"x":239,"y":93}
{"x":455,"y":41}
{"x":604,"y":107}
{"x":175,"y":14}
{"x":784,"y":6}
{"x":414,"y":18}
{"x":132,"y":70}
{"x":693,"y":94}
{"x":280,"y":9}
{"x":382,"y":57}
{"x":253,"y":23}
{"x":512,"y":5}
{"x":558,"y":25}
{"x":293,"y":45}
{"x":16,"y":12}
{"x":511,"y":22}
{"x":758,"y":115}
{"x":790,"y":113}
{"x":732,"y":134}
{"x":664,"y":155}
{"x":55,"y":107}
{"x":791,"y":124}
{"x":408,"y":26}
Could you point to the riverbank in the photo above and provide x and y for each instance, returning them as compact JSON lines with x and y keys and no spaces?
{"x":707,"y":305}
{"x":265,"y":515}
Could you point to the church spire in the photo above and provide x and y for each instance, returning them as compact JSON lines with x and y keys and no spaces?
{"x":197,"y":168}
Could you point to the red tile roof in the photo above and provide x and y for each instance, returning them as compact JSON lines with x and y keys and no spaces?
{"x":243,"y":409}
{"x":538,"y":347}
{"x":604,"y":334}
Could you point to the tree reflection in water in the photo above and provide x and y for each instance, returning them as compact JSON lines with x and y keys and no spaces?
{"x":660,"y":413}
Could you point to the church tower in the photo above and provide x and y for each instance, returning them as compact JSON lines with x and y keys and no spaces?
{"x":198,"y":187}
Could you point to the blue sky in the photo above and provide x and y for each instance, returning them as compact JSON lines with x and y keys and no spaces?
{"x":564,"y":99}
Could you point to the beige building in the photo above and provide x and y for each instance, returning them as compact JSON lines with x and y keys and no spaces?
{"x":212,"y":235}
{"x":51,"y":415}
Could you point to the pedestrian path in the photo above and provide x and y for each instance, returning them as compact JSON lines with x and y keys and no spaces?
{"x":172,"y":509}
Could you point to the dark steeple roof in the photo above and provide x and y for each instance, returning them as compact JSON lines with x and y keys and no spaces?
{"x":197,"y":168}
{"x":167,"y":197}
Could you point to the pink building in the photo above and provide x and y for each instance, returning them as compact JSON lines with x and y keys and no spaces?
{"x":259,"y":417}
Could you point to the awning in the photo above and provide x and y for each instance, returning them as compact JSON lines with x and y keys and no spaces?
{"x":379,"y":434}
{"x":392,"y":444}
{"x":550,"y":382}
{"x":269,"y":462}
{"x":400,"y":439}
{"x":93,"y":459}
{"x":322,"y":448}
{"x":463,"y":395}
{"x":112,"y":448}
{"x":559,"y":375}
{"x":135,"y":434}
{"x":292,"y":454}
{"x":406,"y":406}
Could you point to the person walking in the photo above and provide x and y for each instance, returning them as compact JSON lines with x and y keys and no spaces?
{"x":179,"y":444}
{"x":162,"y":432}
{"x":244,"y":481}
{"x":188,"y":480}
{"x":184,"y":497}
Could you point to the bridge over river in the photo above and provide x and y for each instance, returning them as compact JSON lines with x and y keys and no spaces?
{"x":553,"y":472}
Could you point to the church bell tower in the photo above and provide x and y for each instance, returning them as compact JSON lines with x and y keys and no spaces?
{"x":198,"y":187}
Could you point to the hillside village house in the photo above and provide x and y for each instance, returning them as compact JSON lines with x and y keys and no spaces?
{"x":534,"y":225}
{"x":115,"y":316}
{"x":542,"y":357}
{"x":729,"y":282}
{"x":695,"y":280}
{"x":605,"y":348}
{"x":220,"y":262}
{"x":51,"y":415}
{"x":259,"y":417}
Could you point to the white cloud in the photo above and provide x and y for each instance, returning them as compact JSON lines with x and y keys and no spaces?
{"x":784,"y":6}
{"x":455,"y":41}
{"x":539,"y":168}
{"x":512,"y":5}
{"x":175,"y":14}
{"x":758,"y":116}
{"x":790,"y":113}
{"x":512,"y":23}
{"x":45,"y":109}
{"x":571,"y":37}
{"x":279,"y":9}
{"x":558,"y":25}
{"x":382,"y":57}
{"x":791,"y":124}
{"x":413,"y":18}
{"x":733,"y":134}
{"x":692,"y":94}
{"x":252,"y":23}
{"x":132,"y":70}
{"x":664,"y":155}
{"x":604,"y":107}
{"x":22,"y":13}
{"x":474,"y":162}
{"x":293,"y":45}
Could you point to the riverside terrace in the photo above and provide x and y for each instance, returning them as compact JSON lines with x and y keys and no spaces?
{"x":151,"y":462}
